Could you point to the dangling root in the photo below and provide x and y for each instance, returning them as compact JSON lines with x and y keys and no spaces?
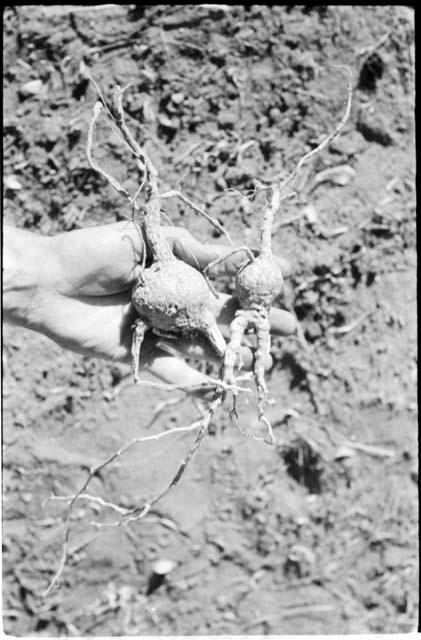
{"x":203,"y":425}
{"x":200,"y":424}
{"x":262,"y":328}
{"x":259,"y":321}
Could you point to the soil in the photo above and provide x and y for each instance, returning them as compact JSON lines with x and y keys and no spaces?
{"x":317,"y":534}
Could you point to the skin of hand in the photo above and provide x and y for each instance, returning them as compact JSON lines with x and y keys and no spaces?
{"x":75,"y":288}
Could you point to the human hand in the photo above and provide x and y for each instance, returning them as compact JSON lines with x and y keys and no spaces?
{"x":76,"y":287}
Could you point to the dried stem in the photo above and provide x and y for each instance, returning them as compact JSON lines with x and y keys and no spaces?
{"x":290,"y":180}
{"x":266,"y":228}
{"x":134,"y":146}
{"x":200,"y":210}
{"x":98,"y":108}
{"x":283,"y":190}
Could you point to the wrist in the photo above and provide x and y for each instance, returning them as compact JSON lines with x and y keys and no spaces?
{"x":23,"y":259}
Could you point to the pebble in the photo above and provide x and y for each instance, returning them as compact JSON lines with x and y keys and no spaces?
{"x":12,"y":183}
{"x":165,"y":122}
{"x":229,"y":616}
{"x":374,"y":128}
{"x":163,"y":567}
{"x":32,"y":88}
{"x":177,"y":98}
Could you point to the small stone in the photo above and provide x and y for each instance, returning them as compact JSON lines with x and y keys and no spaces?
{"x":260,"y":518}
{"x":275,"y":115}
{"x":343,"y":452}
{"x":12,"y":183}
{"x":220,"y":183}
{"x":374,"y":127}
{"x":148,"y":75}
{"x":213,"y":555}
{"x":32,"y":88}
{"x":229,"y":616}
{"x":310,"y":213}
{"x":163,"y":567}
{"x":222,"y":602}
{"x":165,"y":122}
{"x":313,"y":331}
{"x":177,"y":98}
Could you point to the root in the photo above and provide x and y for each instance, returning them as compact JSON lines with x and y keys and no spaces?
{"x":252,"y":286}
{"x":235,"y":420}
{"x":138,"y":152}
{"x":283,"y":190}
{"x":290,"y":180}
{"x":246,"y":250}
{"x":81,"y":493}
{"x":237,"y":328}
{"x":139,"y":329}
{"x":256,"y":315}
{"x":98,"y":108}
{"x":262,"y":327}
{"x":203,"y":425}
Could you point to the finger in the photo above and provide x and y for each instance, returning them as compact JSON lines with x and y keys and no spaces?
{"x":172,"y":370}
{"x":189,"y":249}
{"x":201,"y":350}
{"x":199,"y":254}
{"x":283,"y":323}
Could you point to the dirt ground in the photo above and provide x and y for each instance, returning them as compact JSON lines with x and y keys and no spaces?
{"x":317,"y":534}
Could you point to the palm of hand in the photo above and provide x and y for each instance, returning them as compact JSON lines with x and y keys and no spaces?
{"x":86,"y":302}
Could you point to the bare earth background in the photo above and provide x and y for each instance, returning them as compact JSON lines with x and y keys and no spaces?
{"x":313,"y":535}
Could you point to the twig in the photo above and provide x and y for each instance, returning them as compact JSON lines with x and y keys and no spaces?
{"x":370,"y":450}
{"x":95,"y":7}
{"x":291,"y":612}
{"x":98,"y":107}
{"x":372,"y":47}
{"x":351,"y":326}
{"x":187,"y":153}
{"x":83,"y":70}
{"x":200,"y":210}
